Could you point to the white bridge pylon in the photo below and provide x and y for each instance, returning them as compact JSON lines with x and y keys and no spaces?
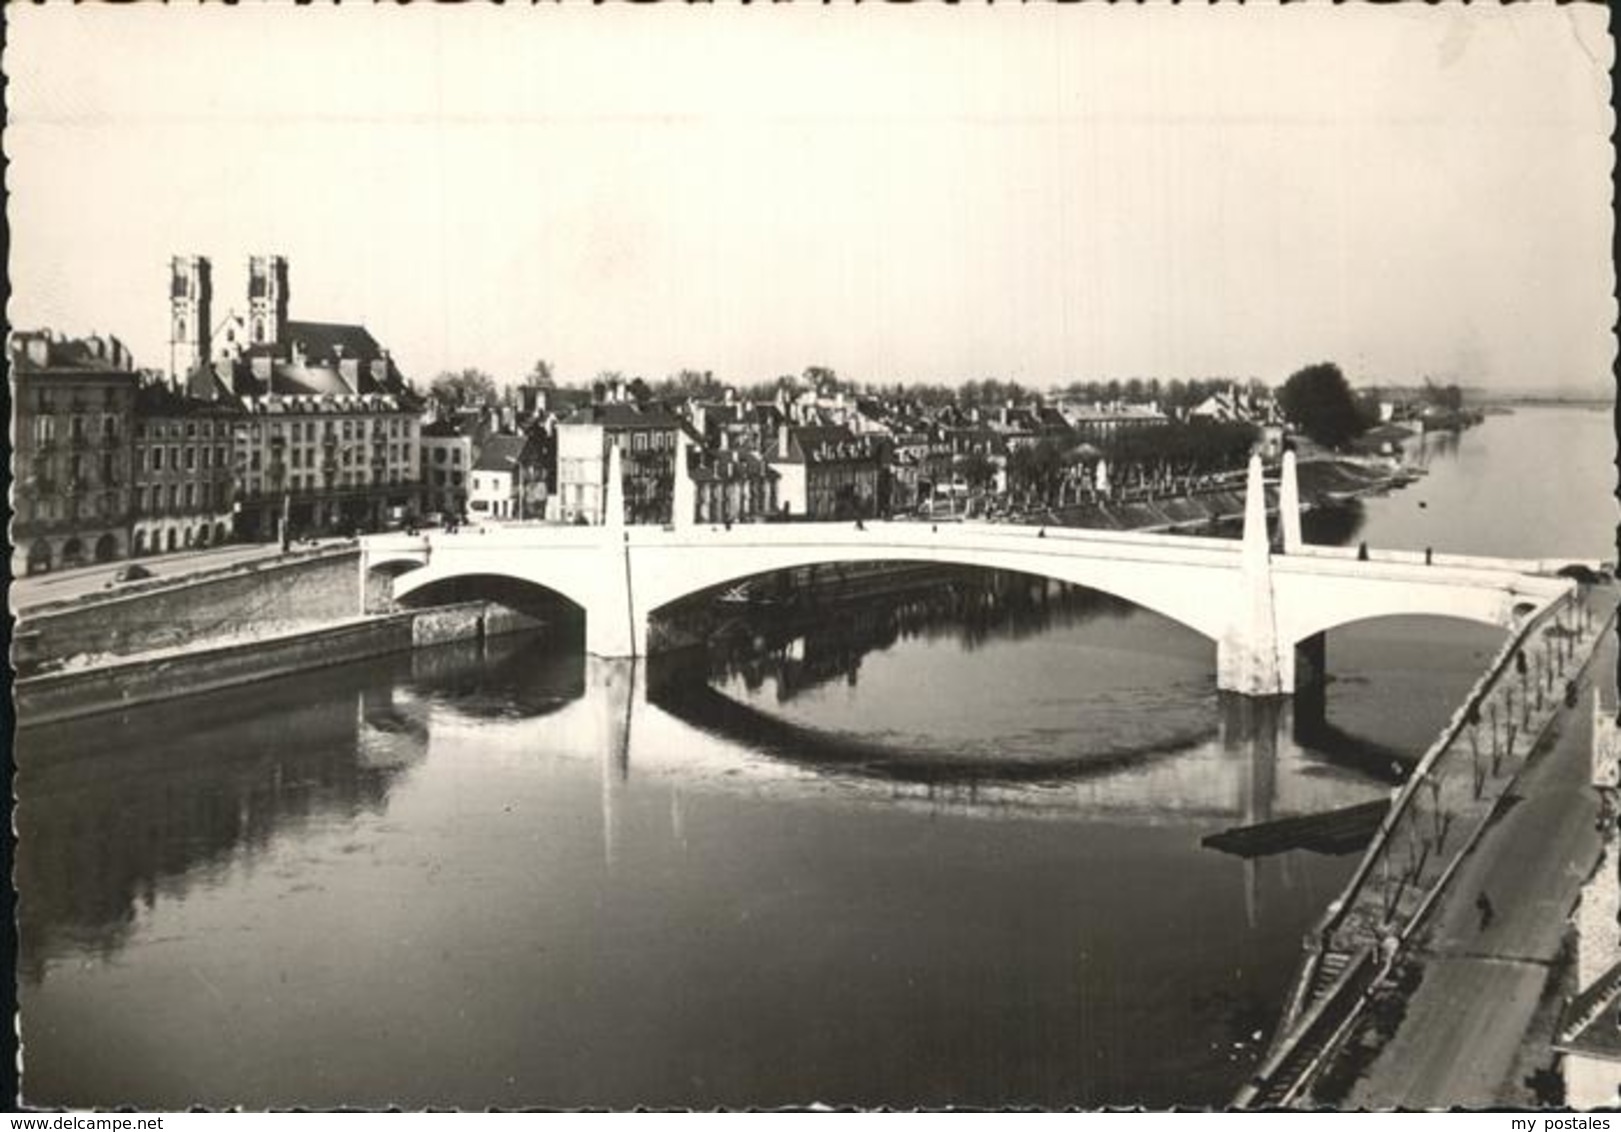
{"x":1255,"y":604}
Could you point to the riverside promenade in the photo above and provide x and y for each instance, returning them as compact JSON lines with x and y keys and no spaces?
{"x":1460,"y":1040}
{"x":1517,"y":737}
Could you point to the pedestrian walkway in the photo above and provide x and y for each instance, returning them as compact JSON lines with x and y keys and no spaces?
{"x":1418,"y":888}
{"x":1482,"y":981}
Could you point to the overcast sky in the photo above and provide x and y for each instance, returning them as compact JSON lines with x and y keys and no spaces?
{"x":1039,"y":193}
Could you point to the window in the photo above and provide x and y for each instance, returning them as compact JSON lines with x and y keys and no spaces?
{"x":174,"y":496}
{"x":191,"y":458}
{"x":455,"y":455}
{"x":191,"y":430}
{"x":438,"y":455}
{"x":253,"y":460}
{"x":191,"y":495}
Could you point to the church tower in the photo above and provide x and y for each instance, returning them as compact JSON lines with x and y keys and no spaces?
{"x":267,"y":300}
{"x":191,"y":295}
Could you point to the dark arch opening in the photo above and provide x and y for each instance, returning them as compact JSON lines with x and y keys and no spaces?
{"x":73,"y":553}
{"x":809,"y":626}
{"x":561,"y":615}
{"x":1389,"y":685}
{"x":39,"y":557}
{"x":106,"y":548}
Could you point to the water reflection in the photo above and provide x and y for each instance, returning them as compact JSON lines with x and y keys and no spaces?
{"x":115,"y":811}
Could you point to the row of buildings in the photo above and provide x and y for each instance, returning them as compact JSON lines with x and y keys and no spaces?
{"x":269,"y":427}
{"x":263,"y":426}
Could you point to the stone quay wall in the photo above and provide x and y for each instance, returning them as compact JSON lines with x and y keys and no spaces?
{"x":256,"y":598}
{"x":127,"y":682}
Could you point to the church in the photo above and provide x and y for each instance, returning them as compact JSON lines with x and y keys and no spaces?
{"x":330,"y":433}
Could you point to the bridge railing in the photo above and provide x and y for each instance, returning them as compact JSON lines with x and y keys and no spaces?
{"x":1443,"y":743}
{"x":1438,"y":559}
{"x":1301,"y":1021}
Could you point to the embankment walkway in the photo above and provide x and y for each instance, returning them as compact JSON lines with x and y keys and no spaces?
{"x":1482,"y":982}
{"x":1468,"y":786}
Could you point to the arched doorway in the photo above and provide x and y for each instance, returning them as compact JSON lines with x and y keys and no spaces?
{"x":106,"y":548}
{"x":73,"y":553}
{"x":171,"y":538}
{"x":219,"y":533}
{"x":39,"y":557}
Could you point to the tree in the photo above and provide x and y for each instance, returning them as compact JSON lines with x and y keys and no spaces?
{"x":540,"y":375}
{"x":1318,"y":400}
{"x":469,"y":387}
{"x":1448,"y":397}
{"x":977,"y":469}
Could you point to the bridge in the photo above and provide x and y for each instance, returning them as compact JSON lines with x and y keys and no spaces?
{"x":1266,"y":610}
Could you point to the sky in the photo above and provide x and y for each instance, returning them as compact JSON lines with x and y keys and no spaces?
{"x":1046,"y":193}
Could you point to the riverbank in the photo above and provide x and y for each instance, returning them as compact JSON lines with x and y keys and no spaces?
{"x":1322,"y":482}
{"x":97,"y":684}
{"x":1480,"y":990}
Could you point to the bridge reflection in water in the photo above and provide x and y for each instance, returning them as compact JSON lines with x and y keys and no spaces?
{"x":559,"y":800}
{"x":186,"y":801}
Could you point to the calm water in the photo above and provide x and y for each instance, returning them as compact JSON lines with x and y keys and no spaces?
{"x":937,"y":849}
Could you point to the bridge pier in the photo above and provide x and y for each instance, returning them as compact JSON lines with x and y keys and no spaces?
{"x":1248,"y":659}
{"x":1289,"y":505}
{"x":614,"y":627}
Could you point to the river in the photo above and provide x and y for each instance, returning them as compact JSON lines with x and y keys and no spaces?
{"x":941,"y":848}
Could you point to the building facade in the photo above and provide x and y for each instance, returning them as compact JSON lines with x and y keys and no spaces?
{"x":184,"y":471}
{"x":733,"y":487}
{"x":503,"y":476}
{"x":646,"y":439}
{"x":73,"y":408}
{"x":825,"y":472}
{"x":329,"y":439}
{"x":447,"y":456}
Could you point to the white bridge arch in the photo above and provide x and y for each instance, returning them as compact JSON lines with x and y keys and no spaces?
{"x":1256,"y":605}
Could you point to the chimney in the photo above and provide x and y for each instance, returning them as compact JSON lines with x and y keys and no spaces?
{"x":782,"y":442}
